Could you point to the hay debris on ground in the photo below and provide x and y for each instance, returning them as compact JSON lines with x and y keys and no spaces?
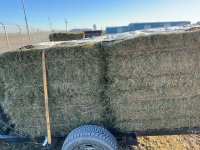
{"x":178,"y":142}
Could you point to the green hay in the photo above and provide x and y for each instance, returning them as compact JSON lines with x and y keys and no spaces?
{"x":3,"y":116}
{"x":66,"y":36}
{"x":75,"y":85}
{"x":132,"y":83}
{"x":153,"y":82}
{"x":143,"y":44}
{"x":155,"y":63}
{"x":144,"y":83}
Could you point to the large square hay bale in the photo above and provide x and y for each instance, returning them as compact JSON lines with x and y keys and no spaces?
{"x":154,"y":81}
{"x":75,"y":85}
{"x":66,"y":36}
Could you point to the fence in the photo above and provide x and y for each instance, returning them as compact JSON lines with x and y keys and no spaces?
{"x":14,"y":37}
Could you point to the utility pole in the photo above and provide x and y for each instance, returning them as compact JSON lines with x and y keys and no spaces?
{"x":26,"y":22}
{"x":66,"y":24}
{"x":49,"y":23}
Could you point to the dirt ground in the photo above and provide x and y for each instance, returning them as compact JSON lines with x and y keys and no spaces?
{"x":15,"y":41}
{"x":182,"y":142}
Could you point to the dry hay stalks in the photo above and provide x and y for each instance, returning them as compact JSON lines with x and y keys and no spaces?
{"x":153,"y":81}
{"x":75,"y":86}
{"x":147,"y":79}
{"x":173,"y":142}
{"x":66,"y":36}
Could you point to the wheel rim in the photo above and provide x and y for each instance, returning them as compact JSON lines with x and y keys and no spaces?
{"x":88,"y":147}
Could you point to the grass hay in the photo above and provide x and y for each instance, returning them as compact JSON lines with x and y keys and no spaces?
{"x":66,"y":36}
{"x":144,"y":83}
{"x":153,"y":81}
{"x":178,"y":142}
{"x":75,"y":85}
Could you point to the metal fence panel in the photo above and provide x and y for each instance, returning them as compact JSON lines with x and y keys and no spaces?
{"x":14,"y":37}
{"x":25,"y":36}
{"x":3,"y":41}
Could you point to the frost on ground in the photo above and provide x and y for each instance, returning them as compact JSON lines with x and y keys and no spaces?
{"x":121,"y":36}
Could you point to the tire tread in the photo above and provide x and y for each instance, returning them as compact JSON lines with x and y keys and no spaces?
{"x":93,"y":131}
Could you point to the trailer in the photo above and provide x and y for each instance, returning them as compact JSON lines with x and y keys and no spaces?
{"x":88,"y":137}
{"x":95,"y":137}
{"x":93,"y":142}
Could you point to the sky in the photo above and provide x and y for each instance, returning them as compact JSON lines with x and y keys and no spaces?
{"x":103,"y":13}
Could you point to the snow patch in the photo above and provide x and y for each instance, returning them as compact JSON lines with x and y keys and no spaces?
{"x":121,"y":36}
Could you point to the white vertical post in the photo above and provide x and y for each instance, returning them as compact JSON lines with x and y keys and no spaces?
{"x":52,"y":34}
{"x":66,"y":24}
{"x":34,"y":35}
{"x":38,"y":34}
{"x":43,"y":36}
{"x":26,"y":21}
{"x":6,"y":35}
{"x":49,"y":24}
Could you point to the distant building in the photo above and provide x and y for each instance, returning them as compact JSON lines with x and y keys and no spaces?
{"x":79,"y":30}
{"x":198,"y":23}
{"x":90,"y":34}
{"x":94,"y":27}
{"x":145,"y":25}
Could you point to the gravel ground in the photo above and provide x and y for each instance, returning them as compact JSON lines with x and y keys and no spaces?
{"x":182,"y":142}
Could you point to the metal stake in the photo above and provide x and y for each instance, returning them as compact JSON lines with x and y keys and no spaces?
{"x":39,"y":35}
{"x":66,"y":24}
{"x":26,"y":21}
{"x":34,"y":35}
{"x":6,"y":35}
{"x":50,"y":24}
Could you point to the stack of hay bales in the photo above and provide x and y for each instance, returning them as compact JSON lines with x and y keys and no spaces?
{"x":66,"y":36}
{"x":154,"y":81}
{"x":75,"y":85}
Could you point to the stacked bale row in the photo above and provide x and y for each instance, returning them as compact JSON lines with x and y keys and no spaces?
{"x":75,"y":88}
{"x":66,"y":36}
{"x":154,"y":81}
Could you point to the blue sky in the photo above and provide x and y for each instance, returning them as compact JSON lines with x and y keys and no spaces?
{"x":85,"y":13}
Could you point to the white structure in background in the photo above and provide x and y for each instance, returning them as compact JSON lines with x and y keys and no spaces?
{"x":147,"y":26}
{"x":125,"y":35}
{"x":94,"y":27}
{"x":167,"y":25}
{"x":79,"y":30}
{"x":198,"y":23}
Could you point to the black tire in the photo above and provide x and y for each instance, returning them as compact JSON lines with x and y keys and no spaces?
{"x":90,"y":137}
